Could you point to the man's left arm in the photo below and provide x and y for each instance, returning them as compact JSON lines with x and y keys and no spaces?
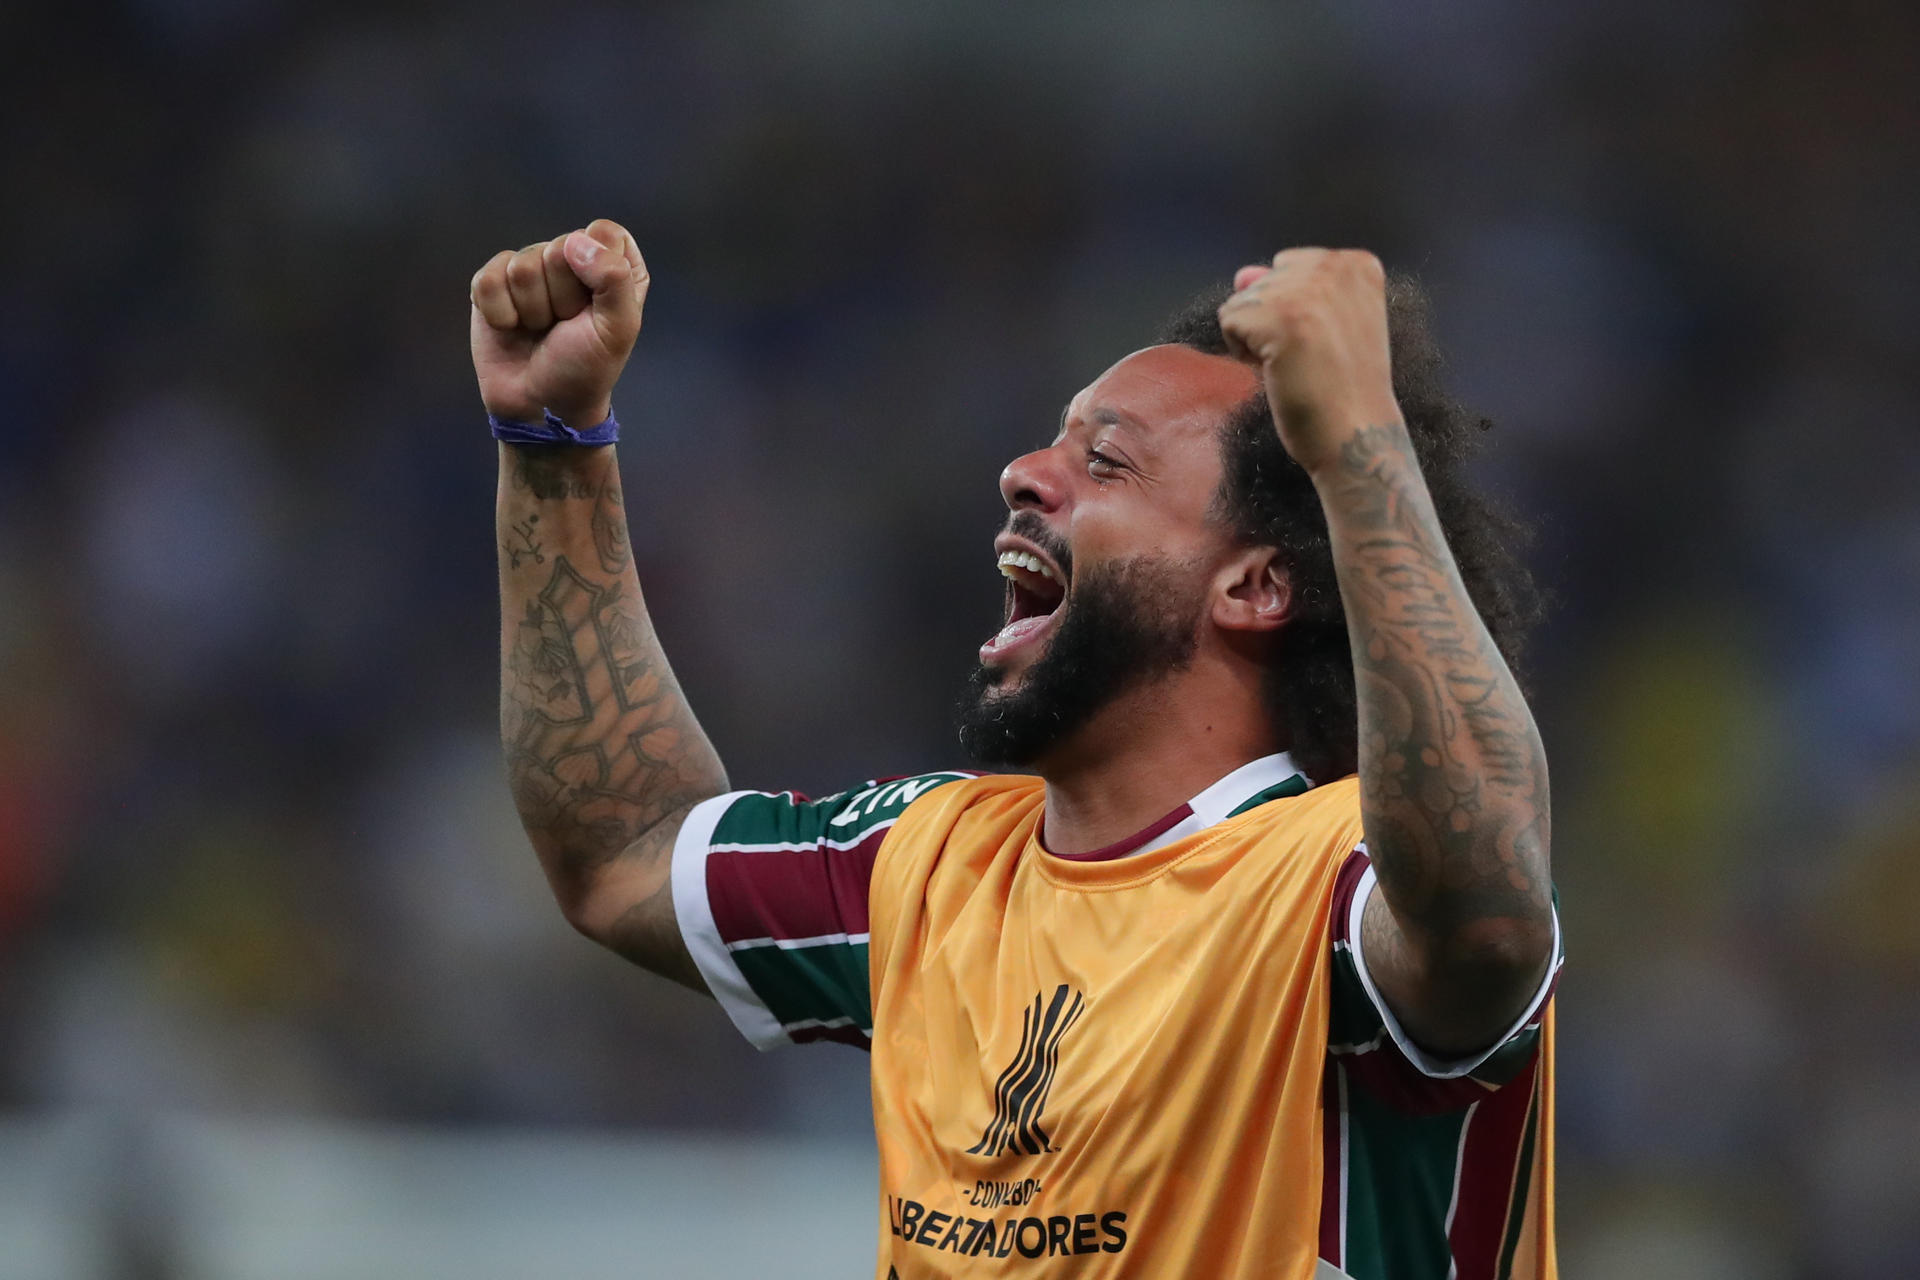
{"x":1453,"y":778}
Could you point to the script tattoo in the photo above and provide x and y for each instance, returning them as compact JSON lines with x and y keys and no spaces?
{"x":548,"y":475}
{"x":1453,"y":777}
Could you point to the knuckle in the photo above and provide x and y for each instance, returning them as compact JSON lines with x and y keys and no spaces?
{"x":524,"y":268}
{"x":490,"y":276}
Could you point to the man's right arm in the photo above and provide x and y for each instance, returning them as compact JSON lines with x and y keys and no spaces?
{"x":604,"y":755}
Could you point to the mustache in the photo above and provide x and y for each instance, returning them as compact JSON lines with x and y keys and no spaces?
{"x":1030,"y":525}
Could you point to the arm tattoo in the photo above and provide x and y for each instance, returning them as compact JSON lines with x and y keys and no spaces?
{"x":1453,"y":778}
{"x":548,"y":476}
{"x":523,"y":543}
{"x":603,"y":754}
{"x":610,"y":527}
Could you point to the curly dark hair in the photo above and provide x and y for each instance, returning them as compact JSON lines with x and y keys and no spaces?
{"x":1268,"y":500}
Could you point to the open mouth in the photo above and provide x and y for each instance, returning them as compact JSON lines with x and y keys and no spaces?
{"x":1035,"y":589}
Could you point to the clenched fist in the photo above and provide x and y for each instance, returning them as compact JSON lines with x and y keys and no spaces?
{"x":1315,"y":324}
{"x":554,"y":323}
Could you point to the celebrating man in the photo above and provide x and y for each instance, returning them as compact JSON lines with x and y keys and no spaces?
{"x":1250,"y":976}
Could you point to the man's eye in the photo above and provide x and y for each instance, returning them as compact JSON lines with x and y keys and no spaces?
{"x":1095,"y":458}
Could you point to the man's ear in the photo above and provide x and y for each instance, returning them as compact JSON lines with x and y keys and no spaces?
{"x":1252,"y":592}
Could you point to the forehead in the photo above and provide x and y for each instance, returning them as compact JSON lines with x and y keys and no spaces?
{"x":1171,"y":396}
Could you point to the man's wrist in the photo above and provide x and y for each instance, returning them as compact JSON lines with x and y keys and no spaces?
{"x":1360,"y":445}
{"x":550,"y":428}
{"x":550,"y":472}
{"x":1359,"y":464}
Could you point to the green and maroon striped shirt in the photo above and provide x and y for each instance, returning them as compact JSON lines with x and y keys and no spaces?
{"x":1427,"y":1162}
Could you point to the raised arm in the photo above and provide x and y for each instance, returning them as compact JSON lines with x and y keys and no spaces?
{"x":604,"y":755}
{"x":1453,"y":779}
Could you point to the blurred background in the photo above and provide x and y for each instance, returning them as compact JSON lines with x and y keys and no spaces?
{"x":281,"y":992}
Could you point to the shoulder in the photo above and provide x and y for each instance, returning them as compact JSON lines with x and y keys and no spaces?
{"x":991,"y":792}
{"x":968,"y":821}
{"x":972,"y":797}
{"x":1325,"y":817}
{"x":1335,"y":801}
{"x":762,"y":818}
{"x":970,"y":806}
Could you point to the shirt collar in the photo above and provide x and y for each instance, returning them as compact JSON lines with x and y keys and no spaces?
{"x":1253,"y":783}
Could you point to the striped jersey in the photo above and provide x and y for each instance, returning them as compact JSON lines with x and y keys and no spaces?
{"x":1162,"y":1058}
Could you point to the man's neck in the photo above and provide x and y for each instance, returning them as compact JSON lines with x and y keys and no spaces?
{"x":1142,"y":758}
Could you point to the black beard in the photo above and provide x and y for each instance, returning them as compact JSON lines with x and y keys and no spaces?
{"x":1124,"y":625}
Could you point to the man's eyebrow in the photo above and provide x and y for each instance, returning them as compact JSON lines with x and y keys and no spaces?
{"x":1105,"y":415}
{"x":1109,"y":416}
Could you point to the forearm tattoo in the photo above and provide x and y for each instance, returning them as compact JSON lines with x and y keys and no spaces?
{"x":602,"y":749}
{"x":1453,"y":776}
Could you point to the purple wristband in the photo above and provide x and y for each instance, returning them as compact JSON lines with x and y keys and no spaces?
{"x":554,"y":431}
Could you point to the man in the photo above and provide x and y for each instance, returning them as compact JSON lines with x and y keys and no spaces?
{"x":1197,"y":1000}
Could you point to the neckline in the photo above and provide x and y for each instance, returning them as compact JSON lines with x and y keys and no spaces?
{"x":1252,"y":784}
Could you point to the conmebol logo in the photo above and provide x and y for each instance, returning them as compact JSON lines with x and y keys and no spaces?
{"x":1020,"y":1094}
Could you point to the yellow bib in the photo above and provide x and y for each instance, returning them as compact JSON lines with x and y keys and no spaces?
{"x":1101,"y":1069}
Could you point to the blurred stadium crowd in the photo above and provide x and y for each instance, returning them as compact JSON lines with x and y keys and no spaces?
{"x":256,"y":853}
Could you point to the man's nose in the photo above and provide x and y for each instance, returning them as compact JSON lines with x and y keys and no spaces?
{"x":1033,"y":482}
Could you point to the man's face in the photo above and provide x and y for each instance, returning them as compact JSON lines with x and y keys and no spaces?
{"x":1108,"y":552}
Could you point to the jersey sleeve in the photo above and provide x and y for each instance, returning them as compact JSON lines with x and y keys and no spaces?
{"x":1364,"y":1033}
{"x":770,"y":891}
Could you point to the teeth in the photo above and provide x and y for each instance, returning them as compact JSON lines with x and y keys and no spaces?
{"x":1030,"y":562}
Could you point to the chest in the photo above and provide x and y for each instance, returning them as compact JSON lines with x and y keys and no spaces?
{"x":1020,"y":1018}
